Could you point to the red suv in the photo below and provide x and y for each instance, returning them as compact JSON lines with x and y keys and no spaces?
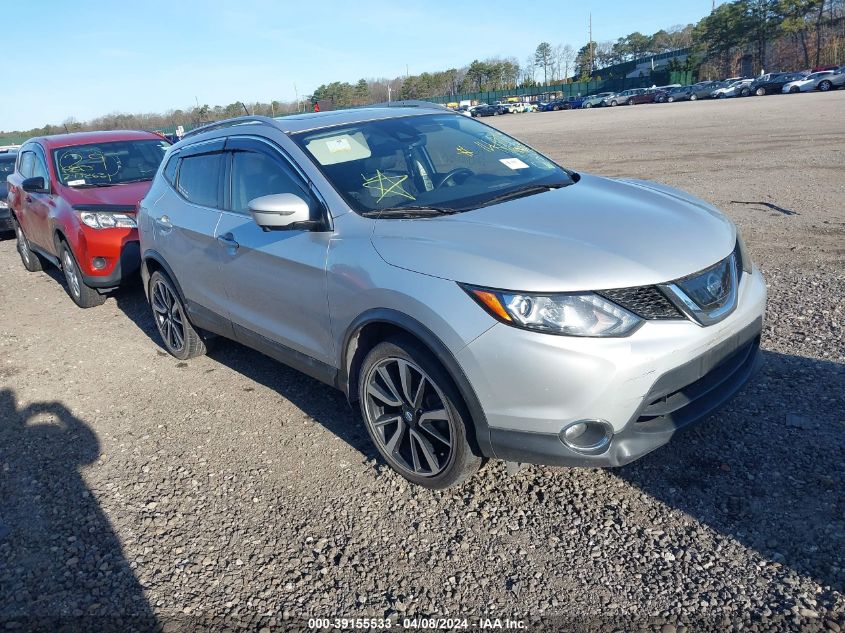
{"x":73,"y":199}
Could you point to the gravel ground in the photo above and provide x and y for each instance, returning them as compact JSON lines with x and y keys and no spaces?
{"x":230,"y":491}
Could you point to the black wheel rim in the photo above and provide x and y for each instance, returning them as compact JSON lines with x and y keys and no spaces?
{"x":407,"y":415}
{"x":169,"y":317}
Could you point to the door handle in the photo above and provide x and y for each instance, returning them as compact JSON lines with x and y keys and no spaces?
{"x":164,"y":222}
{"x":228,"y":240}
{"x":29,"y":198}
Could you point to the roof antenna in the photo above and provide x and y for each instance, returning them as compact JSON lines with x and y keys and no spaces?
{"x":67,"y":131}
{"x":244,"y":107}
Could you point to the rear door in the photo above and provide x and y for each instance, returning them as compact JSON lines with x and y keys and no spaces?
{"x":184,"y":220}
{"x":275,"y":280}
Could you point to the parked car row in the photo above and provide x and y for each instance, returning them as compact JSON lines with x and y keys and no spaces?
{"x":441,"y":291}
{"x":770,"y":83}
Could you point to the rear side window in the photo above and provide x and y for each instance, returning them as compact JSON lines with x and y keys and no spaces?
{"x":199,"y":179}
{"x":170,"y":169}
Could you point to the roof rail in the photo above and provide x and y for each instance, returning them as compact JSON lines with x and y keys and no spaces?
{"x":240,"y":120}
{"x":407,"y":103}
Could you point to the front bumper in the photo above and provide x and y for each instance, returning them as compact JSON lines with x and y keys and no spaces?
{"x":662,"y":378}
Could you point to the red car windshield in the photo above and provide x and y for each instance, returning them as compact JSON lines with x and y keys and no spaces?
{"x":106,"y":164}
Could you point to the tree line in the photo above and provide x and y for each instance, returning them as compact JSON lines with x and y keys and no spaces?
{"x":738,"y":35}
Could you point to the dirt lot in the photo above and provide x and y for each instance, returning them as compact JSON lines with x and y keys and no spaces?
{"x":230,"y":491}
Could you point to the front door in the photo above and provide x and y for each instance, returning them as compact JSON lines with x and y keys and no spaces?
{"x":275,"y":280}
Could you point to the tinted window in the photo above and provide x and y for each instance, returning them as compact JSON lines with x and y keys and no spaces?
{"x":27,"y":163}
{"x":199,"y":179}
{"x":255,"y":174}
{"x":170,"y":169}
{"x":7,"y":166}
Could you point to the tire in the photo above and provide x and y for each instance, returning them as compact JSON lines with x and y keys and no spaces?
{"x":180,"y":338}
{"x":555,"y":108}
{"x":82,"y":294}
{"x":825,"y":86}
{"x":30,"y":259}
{"x":744,"y":92}
{"x":760,"y":91}
{"x":613,"y":104}
{"x":722,"y":95}
{"x":630,"y":102}
{"x":588,"y":105}
{"x":794,"y":90}
{"x":670,"y":99}
{"x":430,"y":451}
{"x":693,"y":97}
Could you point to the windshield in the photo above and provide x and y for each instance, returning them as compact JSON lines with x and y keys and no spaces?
{"x":442,"y":162}
{"x":7,"y":166}
{"x":105,"y":164}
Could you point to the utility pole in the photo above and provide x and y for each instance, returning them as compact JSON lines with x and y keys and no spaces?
{"x":590,"y":43}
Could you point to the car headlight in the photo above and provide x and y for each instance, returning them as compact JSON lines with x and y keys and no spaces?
{"x":569,"y":314}
{"x":107,"y":220}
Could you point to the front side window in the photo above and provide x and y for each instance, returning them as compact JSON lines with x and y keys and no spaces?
{"x":39,"y":169}
{"x":106,"y":164}
{"x":199,"y":179}
{"x":256,"y":174}
{"x":440,"y":161}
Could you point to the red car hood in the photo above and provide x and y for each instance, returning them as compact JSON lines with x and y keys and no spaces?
{"x":124,"y":195}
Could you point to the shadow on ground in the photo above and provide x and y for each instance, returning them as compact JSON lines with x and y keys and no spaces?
{"x":327,"y":406}
{"x":768,"y":471}
{"x":61,"y":564}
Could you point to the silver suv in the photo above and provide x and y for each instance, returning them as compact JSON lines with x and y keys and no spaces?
{"x":473,"y":298}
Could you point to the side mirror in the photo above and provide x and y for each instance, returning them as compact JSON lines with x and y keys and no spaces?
{"x":282,"y":212}
{"x":34,"y":185}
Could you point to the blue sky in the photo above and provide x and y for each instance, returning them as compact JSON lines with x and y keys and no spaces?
{"x":86,"y":58}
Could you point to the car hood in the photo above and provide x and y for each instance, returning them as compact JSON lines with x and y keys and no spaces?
{"x":596,"y":234}
{"x":123,"y":195}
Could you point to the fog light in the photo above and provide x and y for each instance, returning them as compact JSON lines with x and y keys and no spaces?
{"x":587,"y":436}
{"x":99,"y":263}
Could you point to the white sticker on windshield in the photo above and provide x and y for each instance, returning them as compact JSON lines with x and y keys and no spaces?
{"x":513,"y":163}
{"x":341,"y":144}
{"x":74,"y":183}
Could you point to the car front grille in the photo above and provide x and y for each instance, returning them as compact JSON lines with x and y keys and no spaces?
{"x":647,"y":302}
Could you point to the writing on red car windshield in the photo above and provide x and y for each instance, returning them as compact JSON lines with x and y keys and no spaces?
{"x":104,"y":164}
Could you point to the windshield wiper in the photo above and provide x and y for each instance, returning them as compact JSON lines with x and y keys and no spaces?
{"x":521,"y":192}
{"x":410,"y":211}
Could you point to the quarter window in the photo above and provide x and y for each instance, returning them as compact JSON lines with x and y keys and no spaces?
{"x":199,"y":179}
{"x":256,"y":174}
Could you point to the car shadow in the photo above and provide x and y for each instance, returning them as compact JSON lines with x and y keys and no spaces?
{"x":61,"y":564}
{"x":325,"y":405}
{"x":768,"y":470}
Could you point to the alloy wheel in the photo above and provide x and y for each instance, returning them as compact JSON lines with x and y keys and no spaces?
{"x":71,"y":274}
{"x":168,"y":316}
{"x":23,"y":247}
{"x":408,"y":416}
